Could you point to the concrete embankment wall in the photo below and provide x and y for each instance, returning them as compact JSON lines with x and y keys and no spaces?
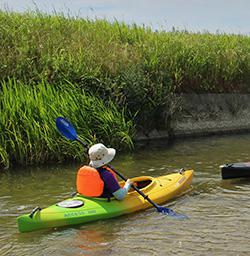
{"x":207,"y":114}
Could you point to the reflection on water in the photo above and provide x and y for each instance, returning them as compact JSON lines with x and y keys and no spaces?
{"x":218,"y":210}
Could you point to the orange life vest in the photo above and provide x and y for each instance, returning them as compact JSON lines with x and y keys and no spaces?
{"x":89,"y":181}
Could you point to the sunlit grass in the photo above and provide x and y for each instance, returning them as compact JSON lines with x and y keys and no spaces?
{"x":37,"y":46}
{"x":27,"y":123}
{"x":89,"y":70}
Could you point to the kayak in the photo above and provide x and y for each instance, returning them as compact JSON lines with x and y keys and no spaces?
{"x":235,"y":170}
{"x":80,"y":209}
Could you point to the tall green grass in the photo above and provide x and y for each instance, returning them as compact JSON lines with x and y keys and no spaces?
{"x":36,"y":46}
{"x":132,"y":65}
{"x":89,"y":70}
{"x":27,"y":123}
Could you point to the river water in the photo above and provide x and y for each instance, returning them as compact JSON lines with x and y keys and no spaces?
{"x":218,"y":210}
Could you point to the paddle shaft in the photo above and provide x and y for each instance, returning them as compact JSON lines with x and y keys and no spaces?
{"x":84,"y":144}
{"x":135,"y":188}
{"x":68,"y":131}
{"x":122,"y":177}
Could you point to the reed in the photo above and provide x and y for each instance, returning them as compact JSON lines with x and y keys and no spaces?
{"x":36,"y":46}
{"x":27,"y":123}
{"x":89,"y":70}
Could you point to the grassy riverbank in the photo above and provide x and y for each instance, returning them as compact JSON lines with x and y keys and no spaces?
{"x":129,"y":71}
{"x":27,"y":124}
{"x":99,"y":55}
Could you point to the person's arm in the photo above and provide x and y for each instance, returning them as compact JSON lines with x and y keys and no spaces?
{"x":122,"y":192}
{"x":114,"y":187}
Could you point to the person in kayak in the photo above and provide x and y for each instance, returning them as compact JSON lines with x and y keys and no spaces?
{"x":99,"y":180}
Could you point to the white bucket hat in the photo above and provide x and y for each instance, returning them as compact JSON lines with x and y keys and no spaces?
{"x":99,"y":155}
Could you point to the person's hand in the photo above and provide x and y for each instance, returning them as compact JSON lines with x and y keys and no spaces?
{"x":128,"y":182}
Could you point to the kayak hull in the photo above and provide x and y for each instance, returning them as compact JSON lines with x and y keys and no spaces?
{"x":159,"y":190}
{"x":235,"y":170}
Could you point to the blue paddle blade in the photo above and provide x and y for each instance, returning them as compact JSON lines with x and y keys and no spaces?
{"x":66,"y":128}
{"x":171,"y":213}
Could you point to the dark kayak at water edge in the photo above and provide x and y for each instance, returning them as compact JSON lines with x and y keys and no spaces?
{"x":235,"y":170}
{"x":80,"y":209}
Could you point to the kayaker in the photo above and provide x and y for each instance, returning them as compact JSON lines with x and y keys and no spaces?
{"x":98,"y":179}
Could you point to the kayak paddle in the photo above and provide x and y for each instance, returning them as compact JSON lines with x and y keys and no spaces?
{"x":159,"y":208}
{"x":67,"y":130}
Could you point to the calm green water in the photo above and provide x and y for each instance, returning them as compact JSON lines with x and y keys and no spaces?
{"x":218,"y":210}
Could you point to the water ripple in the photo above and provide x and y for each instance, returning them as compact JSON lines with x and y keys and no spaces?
{"x":218,"y":210}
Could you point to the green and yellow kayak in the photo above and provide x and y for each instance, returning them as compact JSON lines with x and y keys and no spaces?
{"x":79,"y":209}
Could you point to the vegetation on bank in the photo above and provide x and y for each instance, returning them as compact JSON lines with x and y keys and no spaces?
{"x":27,"y":124}
{"x":123,"y":71}
{"x":115,"y":57}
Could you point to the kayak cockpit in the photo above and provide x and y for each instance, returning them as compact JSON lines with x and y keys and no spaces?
{"x":144,"y":183}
